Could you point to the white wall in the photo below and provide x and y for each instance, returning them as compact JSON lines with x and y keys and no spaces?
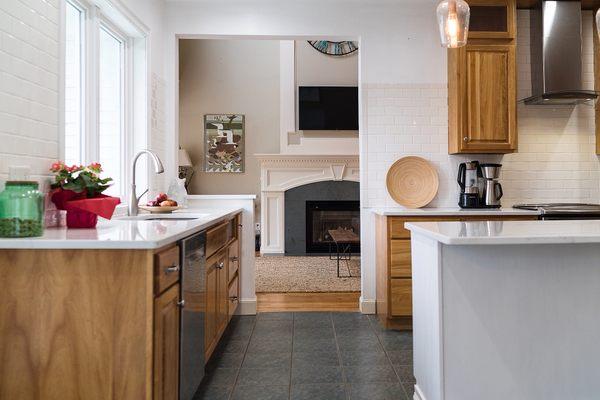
{"x":314,"y":68}
{"x":29,"y":85}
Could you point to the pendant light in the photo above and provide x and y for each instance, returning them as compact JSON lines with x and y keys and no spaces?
{"x":453,"y":19}
{"x":598,"y":22}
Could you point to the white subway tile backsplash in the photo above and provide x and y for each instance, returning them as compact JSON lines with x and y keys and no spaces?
{"x":29,"y":65}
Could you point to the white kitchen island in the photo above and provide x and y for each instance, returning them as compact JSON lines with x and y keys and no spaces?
{"x":506,"y":310}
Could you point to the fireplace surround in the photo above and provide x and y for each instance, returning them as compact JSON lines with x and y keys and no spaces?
{"x":282,"y":172}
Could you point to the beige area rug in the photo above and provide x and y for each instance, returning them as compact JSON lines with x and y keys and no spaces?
{"x":306,"y":274}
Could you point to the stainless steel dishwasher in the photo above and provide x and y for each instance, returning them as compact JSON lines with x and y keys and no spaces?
{"x":193,"y":288}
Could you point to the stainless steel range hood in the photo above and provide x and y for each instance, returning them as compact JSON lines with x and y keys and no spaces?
{"x":556,"y":55}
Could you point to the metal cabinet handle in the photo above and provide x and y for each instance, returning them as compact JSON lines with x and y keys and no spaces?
{"x":221,"y":265}
{"x":233,"y":258}
{"x":466,"y":139}
{"x":181,"y":303}
{"x":170,"y":270}
{"x":233,"y":298}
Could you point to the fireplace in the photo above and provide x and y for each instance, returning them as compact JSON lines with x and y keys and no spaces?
{"x":322,"y":216}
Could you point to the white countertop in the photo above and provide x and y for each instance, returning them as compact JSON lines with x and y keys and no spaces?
{"x":509,"y":232}
{"x":120,"y":233}
{"x":450,"y":211}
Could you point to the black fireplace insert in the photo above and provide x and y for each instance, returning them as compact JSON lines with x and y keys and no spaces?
{"x":322,"y":216}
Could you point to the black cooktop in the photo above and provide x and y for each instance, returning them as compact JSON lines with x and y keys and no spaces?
{"x":564,"y":210}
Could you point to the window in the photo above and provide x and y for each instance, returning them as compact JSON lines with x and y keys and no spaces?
{"x":110,"y":108}
{"x":73,"y":84}
{"x":99,"y":86}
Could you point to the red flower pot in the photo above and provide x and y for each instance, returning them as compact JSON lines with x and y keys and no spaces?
{"x":81,"y":219}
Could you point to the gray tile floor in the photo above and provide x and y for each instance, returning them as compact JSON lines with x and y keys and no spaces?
{"x":309,"y":356}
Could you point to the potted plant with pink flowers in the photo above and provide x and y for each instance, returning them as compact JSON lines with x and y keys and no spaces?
{"x":78,"y":190}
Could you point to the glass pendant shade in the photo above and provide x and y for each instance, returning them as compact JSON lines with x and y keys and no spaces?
{"x":453,"y":19}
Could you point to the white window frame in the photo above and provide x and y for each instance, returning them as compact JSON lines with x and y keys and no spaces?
{"x":112,"y":16}
{"x":83,"y":80}
{"x":126,"y":98}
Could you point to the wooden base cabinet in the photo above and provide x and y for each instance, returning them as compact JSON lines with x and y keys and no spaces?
{"x":222,"y":280}
{"x":394,"y":265}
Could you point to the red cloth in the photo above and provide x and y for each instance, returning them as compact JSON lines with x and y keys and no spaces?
{"x":101,"y":205}
{"x":81,"y":219}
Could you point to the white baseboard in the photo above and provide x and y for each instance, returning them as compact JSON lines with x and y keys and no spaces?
{"x":418,"y":394}
{"x":247,"y":307}
{"x":367,"y":306}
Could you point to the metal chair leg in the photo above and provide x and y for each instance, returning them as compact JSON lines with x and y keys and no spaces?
{"x":338,"y":259}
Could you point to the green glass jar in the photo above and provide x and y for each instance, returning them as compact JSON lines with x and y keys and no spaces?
{"x":21,"y":210}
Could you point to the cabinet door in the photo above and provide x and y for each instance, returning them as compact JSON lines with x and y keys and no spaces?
{"x":210,"y":326}
{"x":401,"y":297}
{"x":166,"y":345}
{"x":482,"y":99}
{"x":400,"y":259}
{"x":223,"y":293}
{"x":492,"y":19}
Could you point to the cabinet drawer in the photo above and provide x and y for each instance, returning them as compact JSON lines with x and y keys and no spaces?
{"x":398,"y":231}
{"x":401,"y":297}
{"x":218,"y":236}
{"x":166,"y":269}
{"x":400,"y":261}
{"x":234,"y":258}
{"x":234,"y":295}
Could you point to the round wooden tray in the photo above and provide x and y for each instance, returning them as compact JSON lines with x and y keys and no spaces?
{"x":412,"y":182}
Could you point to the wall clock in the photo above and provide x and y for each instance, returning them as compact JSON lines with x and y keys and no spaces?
{"x":334,"y":48}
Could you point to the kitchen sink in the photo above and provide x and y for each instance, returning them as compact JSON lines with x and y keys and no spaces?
{"x":163,"y":217}
{"x":170,"y":219}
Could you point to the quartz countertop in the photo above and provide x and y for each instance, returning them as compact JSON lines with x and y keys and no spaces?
{"x":509,"y":232}
{"x":123,"y":233}
{"x":449,"y":211}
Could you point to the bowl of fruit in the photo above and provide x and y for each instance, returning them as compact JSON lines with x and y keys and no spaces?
{"x":161,"y":204}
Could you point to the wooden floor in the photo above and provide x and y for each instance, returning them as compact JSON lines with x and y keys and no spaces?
{"x":338,"y":301}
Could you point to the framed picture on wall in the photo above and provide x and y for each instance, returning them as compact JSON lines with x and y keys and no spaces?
{"x":224,"y":143}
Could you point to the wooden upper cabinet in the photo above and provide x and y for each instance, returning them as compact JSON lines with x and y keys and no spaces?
{"x":490,"y":120}
{"x":482,"y":82}
{"x":493,"y":19}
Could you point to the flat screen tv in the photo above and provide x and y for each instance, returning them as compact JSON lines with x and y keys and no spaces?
{"x":328,"y":108}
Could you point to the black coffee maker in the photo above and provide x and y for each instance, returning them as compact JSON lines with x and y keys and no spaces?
{"x":469,"y":175}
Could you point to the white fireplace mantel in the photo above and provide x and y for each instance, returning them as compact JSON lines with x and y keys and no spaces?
{"x":281,"y":172}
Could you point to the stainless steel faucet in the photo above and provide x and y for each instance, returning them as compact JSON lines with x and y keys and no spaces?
{"x":158,"y":168}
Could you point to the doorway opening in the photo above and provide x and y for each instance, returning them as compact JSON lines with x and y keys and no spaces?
{"x":292,"y":98}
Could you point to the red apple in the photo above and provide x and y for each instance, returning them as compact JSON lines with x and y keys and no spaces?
{"x":161,"y":197}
